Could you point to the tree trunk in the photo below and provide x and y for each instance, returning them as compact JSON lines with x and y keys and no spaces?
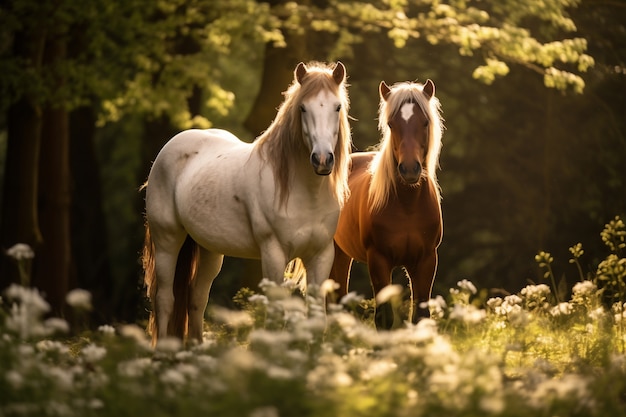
{"x":19,"y":223}
{"x":89,"y":234}
{"x":53,"y":264}
{"x":278,"y":67}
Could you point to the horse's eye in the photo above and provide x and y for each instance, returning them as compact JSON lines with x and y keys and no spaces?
{"x":302,"y":109}
{"x":426,"y":123}
{"x":338,"y":107}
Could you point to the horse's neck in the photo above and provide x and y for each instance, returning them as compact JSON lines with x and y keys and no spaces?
{"x":307,"y":181}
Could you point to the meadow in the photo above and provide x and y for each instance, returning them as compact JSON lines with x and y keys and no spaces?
{"x":539,"y":352}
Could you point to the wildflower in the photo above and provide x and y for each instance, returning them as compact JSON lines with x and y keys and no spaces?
{"x":56,"y":325}
{"x":14,"y":378}
{"x":52,"y":346}
{"x":379,"y":369}
{"x":328,"y":286}
{"x":135,"y":333}
{"x":20,"y":251}
{"x":169,"y":345}
{"x":236,"y":319}
{"x":29,"y":297}
{"x":173,"y":377}
{"x":268,"y":411}
{"x":351,"y":299}
{"x":387,"y":293}
{"x":577,"y":250}
{"x":536,"y":296}
{"x":467,"y":313}
{"x":614,"y":235}
{"x":107,"y":330}
{"x":134,"y":368}
{"x":597,"y":313}
{"x":79,"y":299}
{"x":436,"y":306}
{"x":562,"y":309}
{"x":258,"y":299}
{"x":535,"y":291}
{"x":93,"y":353}
{"x":467,"y":286}
{"x":584,"y":289}
{"x":26,"y":313}
{"x":60,"y":377}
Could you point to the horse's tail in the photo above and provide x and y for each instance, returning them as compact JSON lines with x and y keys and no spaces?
{"x":149,"y":278}
{"x":185,"y":271}
{"x":296,"y":272}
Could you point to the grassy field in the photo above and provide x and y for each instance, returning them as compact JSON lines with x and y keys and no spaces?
{"x":535,"y":353}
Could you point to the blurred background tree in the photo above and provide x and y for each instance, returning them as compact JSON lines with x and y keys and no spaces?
{"x":533,"y":95}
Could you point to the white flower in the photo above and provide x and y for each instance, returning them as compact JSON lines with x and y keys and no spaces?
{"x":173,"y":377}
{"x":388,"y":293}
{"x":561,"y":309}
{"x":20,"y":251}
{"x":29,"y":297}
{"x":351,"y":298}
{"x":236,"y":319}
{"x":107,"y":330}
{"x":57,"y":325}
{"x":134,"y":367}
{"x":328,"y":286}
{"x":258,"y":299}
{"x":79,"y":299}
{"x":584,"y":288}
{"x":15,"y":379}
{"x":467,"y":313}
{"x":467,"y":285}
{"x":52,"y":346}
{"x":436,"y":306}
{"x":169,"y":345}
{"x":93,"y":353}
{"x":268,"y":411}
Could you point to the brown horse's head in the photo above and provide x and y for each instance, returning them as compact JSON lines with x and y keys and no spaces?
{"x":409,"y":133}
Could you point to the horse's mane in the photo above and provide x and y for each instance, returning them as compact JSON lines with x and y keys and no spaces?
{"x":283,"y":138}
{"x":383,"y":166}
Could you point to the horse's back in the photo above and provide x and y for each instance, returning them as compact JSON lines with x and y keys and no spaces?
{"x":197,"y":186}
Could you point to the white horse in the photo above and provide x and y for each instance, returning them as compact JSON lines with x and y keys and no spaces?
{"x":276,"y":199}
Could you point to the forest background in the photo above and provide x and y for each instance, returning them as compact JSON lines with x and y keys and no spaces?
{"x":533,"y":94}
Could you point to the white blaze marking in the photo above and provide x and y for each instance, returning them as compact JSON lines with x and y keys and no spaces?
{"x":407,"y":111}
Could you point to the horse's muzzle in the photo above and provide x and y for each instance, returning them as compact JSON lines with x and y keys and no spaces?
{"x":323,"y":163}
{"x":410,"y":173}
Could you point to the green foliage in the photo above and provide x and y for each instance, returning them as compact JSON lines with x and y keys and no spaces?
{"x":523,"y":354}
{"x":502,"y":32}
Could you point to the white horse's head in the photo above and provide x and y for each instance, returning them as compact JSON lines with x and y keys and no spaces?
{"x":320,"y":115}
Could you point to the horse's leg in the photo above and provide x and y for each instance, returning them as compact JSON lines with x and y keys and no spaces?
{"x":421,"y":277}
{"x":209,"y":265}
{"x":380,"y":275}
{"x":318,"y":267}
{"x":340,"y":271}
{"x":166,"y":249}
{"x":273,"y":262}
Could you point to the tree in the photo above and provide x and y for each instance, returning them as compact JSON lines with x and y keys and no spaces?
{"x":165,"y":65}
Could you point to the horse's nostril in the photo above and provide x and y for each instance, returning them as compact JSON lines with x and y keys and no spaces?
{"x":330,"y":159}
{"x":315,"y":159}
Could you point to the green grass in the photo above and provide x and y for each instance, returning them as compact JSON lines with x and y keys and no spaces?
{"x":525,"y":354}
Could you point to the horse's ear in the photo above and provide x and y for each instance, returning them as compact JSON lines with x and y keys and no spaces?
{"x":300,"y":72}
{"x":339,"y":73}
{"x":429,"y":89}
{"x":384,"y":90}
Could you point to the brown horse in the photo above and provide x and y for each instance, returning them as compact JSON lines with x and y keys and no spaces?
{"x":393,"y":215}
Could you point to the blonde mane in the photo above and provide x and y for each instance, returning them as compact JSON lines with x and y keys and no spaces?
{"x":383,"y":166}
{"x":283,"y":139}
